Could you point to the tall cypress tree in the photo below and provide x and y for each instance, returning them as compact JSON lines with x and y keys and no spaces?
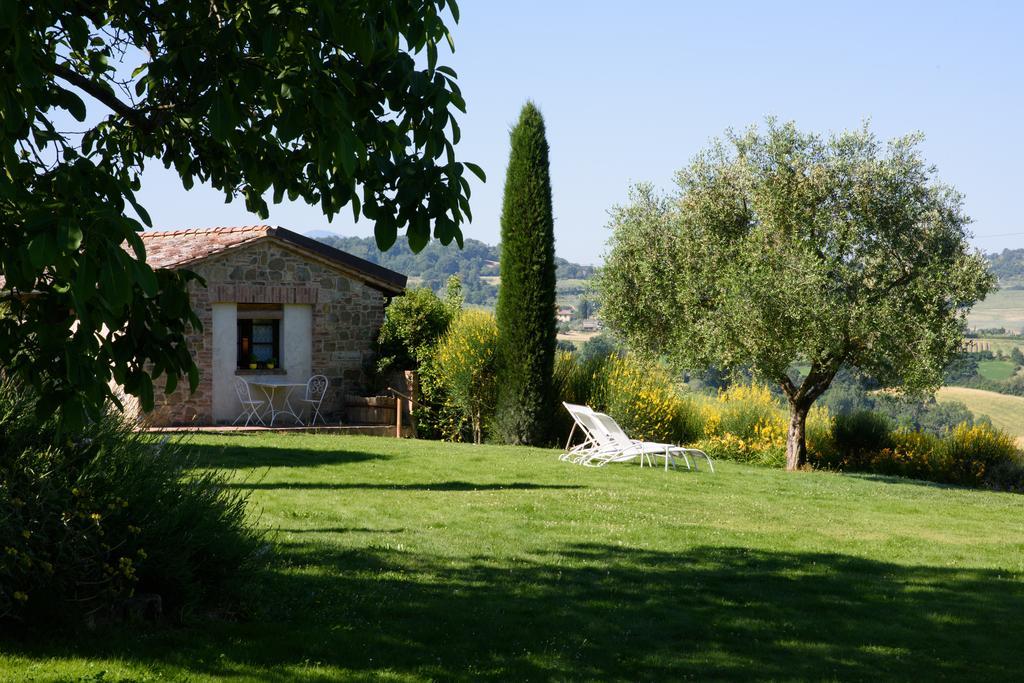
{"x":526,"y":298}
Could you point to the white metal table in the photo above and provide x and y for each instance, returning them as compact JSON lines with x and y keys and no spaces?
{"x":270,"y":388}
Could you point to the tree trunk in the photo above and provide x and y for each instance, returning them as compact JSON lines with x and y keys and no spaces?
{"x":796,"y":444}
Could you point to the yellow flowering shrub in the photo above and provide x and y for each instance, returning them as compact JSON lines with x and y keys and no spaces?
{"x":645,"y":401}
{"x":972,"y":451}
{"x":466,"y":358}
{"x":969,"y":455}
{"x":745,"y":423}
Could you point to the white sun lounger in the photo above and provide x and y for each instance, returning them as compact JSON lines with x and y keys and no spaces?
{"x":582,"y":424}
{"x":605,"y":441}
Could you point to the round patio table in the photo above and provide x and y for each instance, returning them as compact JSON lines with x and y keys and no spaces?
{"x":270,"y":388}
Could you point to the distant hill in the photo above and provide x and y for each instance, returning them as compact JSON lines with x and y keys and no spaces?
{"x":476,"y":265}
{"x":1008,"y":266}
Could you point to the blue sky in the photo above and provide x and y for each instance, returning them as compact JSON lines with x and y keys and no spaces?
{"x":632,"y":90}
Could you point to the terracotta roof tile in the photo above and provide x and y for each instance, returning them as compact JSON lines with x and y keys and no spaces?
{"x":173,"y":248}
{"x":177,"y":248}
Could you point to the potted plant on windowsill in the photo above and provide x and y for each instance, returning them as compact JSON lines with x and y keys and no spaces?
{"x":252,"y":362}
{"x":271,"y":364}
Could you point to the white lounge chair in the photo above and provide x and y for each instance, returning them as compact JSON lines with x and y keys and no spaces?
{"x":250,"y":407}
{"x":581,"y":424}
{"x":316,"y":389}
{"x":605,"y":442}
{"x":648,"y":449}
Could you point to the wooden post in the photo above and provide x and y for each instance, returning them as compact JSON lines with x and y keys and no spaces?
{"x":398,"y":417}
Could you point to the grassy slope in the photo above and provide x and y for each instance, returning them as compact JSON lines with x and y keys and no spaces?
{"x":997,"y":370}
{"x":415,"y":560}
{"x":1007,"y":412}
{"x":1004,"y":308}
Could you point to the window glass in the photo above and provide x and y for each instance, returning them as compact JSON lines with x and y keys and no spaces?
{"x":259,"y":341}
{"x":263,"y":339}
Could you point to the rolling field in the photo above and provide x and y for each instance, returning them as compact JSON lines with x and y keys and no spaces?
{"x":1004,"y":344}
{"x":1006,"y":412}
{"x":1004,"y":308}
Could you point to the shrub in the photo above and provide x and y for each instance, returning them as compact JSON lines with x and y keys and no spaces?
{"x":601,"y":346}
{"x":641,"y":397}
{"x":968,"y":455}
{"x":466,"y":357}
{"x":413,"y":325}
{"x":578,"y":380}
{"x":645,"y":401}
{"x":818,"y":433}
{"x":85,"y":523}
{"x":861,"y":431}
{"x":746,"y":424}
{"x":436,"y":414}
{"x":973,"y":452}
{"x":748,"y":410}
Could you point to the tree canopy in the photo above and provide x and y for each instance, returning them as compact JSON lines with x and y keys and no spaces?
{"x":781,"y":247}
{"x":324,"y":102}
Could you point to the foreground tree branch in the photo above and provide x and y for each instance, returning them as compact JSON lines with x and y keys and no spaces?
{"x":261,"y":100}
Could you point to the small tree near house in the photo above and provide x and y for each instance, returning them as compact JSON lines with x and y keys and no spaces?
{"x":781,"y":246}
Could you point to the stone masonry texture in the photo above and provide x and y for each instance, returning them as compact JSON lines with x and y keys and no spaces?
{"x":347,"y":315}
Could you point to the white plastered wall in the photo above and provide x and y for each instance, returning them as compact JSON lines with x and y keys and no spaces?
{"x":296,"y":354}
{"x":225,"y":351}
{"x":297,"y":342}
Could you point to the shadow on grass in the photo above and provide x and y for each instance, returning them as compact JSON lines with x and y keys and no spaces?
{"x":250,"y":456}
{"x":598,"y":612}
{"x":429,"y":486}
{"x":340,"y":530}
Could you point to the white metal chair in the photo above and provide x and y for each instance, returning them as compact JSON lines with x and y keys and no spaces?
{"x":250,"y":407}
{"x":316,"y":389}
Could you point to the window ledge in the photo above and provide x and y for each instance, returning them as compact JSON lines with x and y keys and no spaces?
{"x":261,"y":371}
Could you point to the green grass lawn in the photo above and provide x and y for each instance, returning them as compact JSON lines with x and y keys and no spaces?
{"x":997,"y":370}
{"x":404,"y":560}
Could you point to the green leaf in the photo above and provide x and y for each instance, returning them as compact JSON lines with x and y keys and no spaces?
{"x":418,"y":233}
{"x":347,"y":153}
{"x":72,"y":236}
{"x":41,"y":251}
{"x":145,"y":278}
{"x":385,"y":234}
{"x":221,"y":119}
{"x":139,"y":209}
{"x":475,"y":170}
{"x":74,"y":104}
{"x":172,"y":383}
{"x":145,"y":391}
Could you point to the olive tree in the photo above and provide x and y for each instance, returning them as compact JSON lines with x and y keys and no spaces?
{"x":262,"y":100}
{"x":781,"y":247}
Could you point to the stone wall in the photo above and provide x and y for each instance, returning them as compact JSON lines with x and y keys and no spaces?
{"x":347,"y":316}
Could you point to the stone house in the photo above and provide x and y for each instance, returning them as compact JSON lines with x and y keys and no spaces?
{"x":287,"y":303}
